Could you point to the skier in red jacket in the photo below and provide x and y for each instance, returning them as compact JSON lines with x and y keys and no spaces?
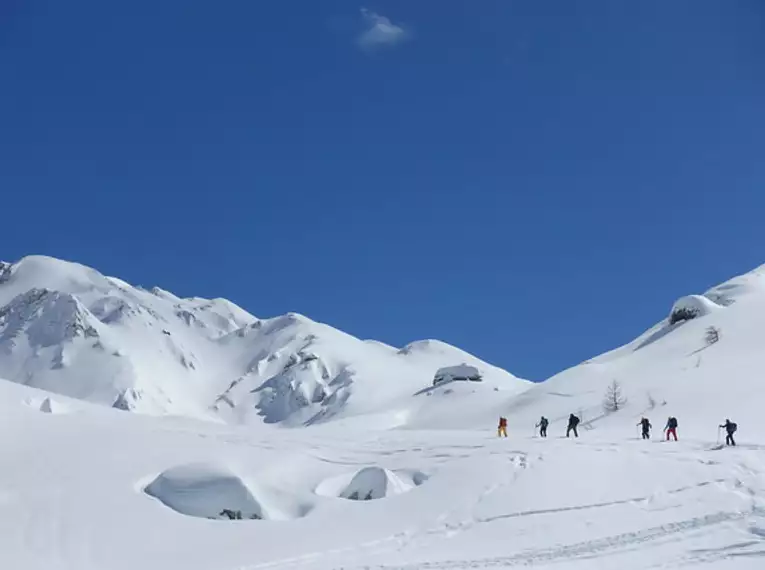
{"x":671,"y":427}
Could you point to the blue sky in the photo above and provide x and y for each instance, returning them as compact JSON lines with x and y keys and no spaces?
{"x":535,"y":182}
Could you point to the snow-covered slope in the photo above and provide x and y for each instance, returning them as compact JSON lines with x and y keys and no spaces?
{"x":672,"y":369}
{"x":68,"y":329}
{"x":90,"y":488}
{"x":87,"y":487}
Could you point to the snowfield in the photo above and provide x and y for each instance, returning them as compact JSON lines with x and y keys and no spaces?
{"x":332,"y":452}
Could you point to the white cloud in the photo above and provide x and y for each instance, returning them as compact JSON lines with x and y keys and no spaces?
{"x":380,"y":31}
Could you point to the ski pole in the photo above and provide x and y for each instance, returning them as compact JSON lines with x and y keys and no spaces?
{"x":718,"y":435}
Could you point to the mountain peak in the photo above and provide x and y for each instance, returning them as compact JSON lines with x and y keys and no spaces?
{"x":44,"y":263}
{"x":103,"y":340}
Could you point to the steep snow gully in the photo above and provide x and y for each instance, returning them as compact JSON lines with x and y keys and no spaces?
{"x":149,"y":431}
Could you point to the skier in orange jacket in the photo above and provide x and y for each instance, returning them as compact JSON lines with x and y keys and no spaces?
{"x":502,"y":429}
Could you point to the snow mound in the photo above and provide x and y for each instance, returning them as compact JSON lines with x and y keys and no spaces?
{"x":205,"y":491}
{"x":370,"y":483}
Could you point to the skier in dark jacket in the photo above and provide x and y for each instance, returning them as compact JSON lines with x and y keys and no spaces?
{"x":646,"y":425}
{"x":730,"y":429}
{"x":542,"y":425}
{"x":573,"y":421}
{"x":671,"y":427}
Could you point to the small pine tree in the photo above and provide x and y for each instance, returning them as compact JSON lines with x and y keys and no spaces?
{"x":712,"y":336}
{"x":613,"y":401}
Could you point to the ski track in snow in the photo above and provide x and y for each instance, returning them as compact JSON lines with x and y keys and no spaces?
{"x":586,"y":549}
{"x":604,"y":546}
{"x":475,"y":486}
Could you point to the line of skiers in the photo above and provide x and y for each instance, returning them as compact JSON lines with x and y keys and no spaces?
{"x":670,"y":428}
{"x":573,"y":422}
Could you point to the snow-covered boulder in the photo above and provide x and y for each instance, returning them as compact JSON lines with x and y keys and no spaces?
{"x":370,"y":483}
{"x":206,"y":491}
{"x":461,"y":372}
{"x":374,"y":483}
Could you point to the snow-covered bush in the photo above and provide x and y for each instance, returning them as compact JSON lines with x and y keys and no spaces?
{"x":5,"y":271}
{"x":691,"y":307}
{"x":237,"y":515}
{"x":682,"y":314}
{"x":356,"y":497}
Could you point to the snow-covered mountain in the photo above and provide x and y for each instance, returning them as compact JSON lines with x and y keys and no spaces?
{"x":70,"y":330}
{"x":89,"y":487}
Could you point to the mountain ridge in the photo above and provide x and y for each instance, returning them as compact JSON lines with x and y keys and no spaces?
{"x":80,"y":333}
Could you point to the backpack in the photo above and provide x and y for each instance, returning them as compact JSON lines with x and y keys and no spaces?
{"x":575,"y":421}
{"x":672,"y":423}
{"x":544,"y":422}
{"x":732,"y":427}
